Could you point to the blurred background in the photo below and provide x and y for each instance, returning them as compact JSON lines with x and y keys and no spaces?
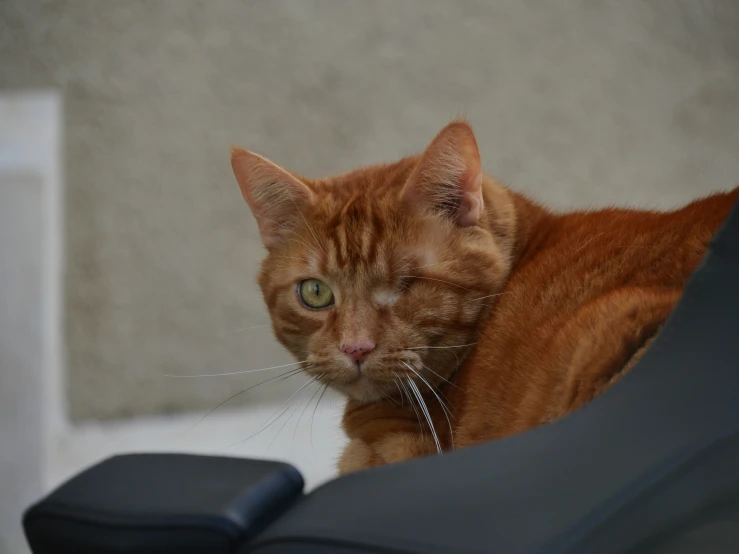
{"x":127,"y":253}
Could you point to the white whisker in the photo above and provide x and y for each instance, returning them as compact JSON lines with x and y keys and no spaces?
{"x":289,"y":417}
{"x":313,"y":415}
{"x":270,"y":421}
{"x":318,"y":388}
{"x":489,"y":296}
{"x":399,"y":390}
{"x":286,"y":375}
{"x":439,"y":376}
{"x":422,"y":404}
{"x":444,"y":407}
{"x":235,"y":372}
{"x":410,"y":401}
{"x":388,"y":397}
{"x":400,"y":262}
{"x":440,"y":347}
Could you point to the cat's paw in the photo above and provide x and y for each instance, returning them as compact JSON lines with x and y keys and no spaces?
{"x":401,"y":447}
{"x":357,"y":455}
{"x":398,"y":447}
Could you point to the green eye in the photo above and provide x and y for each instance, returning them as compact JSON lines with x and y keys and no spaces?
{"x":315,"y":294}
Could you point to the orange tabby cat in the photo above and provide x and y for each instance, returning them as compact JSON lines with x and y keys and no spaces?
{"x":451,"y":310}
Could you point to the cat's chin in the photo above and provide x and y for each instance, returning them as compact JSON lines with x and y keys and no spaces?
{"x":363,"y":389}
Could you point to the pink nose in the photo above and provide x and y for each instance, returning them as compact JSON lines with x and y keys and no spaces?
{"x":358,"y":350}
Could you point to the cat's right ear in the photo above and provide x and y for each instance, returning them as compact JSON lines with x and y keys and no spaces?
{"x":273,"y":194}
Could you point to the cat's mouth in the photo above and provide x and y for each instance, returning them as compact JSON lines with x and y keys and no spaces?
{"x":377,"y":378}
{"x":364,"y":388}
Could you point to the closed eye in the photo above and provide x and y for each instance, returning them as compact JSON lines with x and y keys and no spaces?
{"x":406,"y":282}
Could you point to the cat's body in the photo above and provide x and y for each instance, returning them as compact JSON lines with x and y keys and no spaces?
{"x":587,"y":294}
{"x":455,"y":300}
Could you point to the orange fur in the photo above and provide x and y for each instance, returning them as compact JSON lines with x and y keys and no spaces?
{"x":468,"y":294}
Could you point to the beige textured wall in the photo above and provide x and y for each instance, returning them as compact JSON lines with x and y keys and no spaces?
{"x":578,"y":102}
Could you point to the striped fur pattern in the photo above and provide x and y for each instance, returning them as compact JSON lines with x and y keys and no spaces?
{"x":489,"y":315}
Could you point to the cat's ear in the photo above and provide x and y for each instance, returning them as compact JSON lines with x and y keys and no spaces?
{"x":273,"y":194}
{"x":448,"y":178}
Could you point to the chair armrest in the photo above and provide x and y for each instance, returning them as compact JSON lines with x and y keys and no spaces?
{"x":162,"y":503}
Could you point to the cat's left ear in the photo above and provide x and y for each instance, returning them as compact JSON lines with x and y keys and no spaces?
{"x":274,"y":195}
{"x":448,"y":178}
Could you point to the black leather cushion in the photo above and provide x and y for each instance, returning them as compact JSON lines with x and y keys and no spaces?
{"x":162,"y":503}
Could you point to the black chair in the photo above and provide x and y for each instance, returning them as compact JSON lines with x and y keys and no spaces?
{"x":651,"y":466}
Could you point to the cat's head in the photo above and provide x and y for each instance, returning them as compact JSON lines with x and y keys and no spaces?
{"x":383,"y":273}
